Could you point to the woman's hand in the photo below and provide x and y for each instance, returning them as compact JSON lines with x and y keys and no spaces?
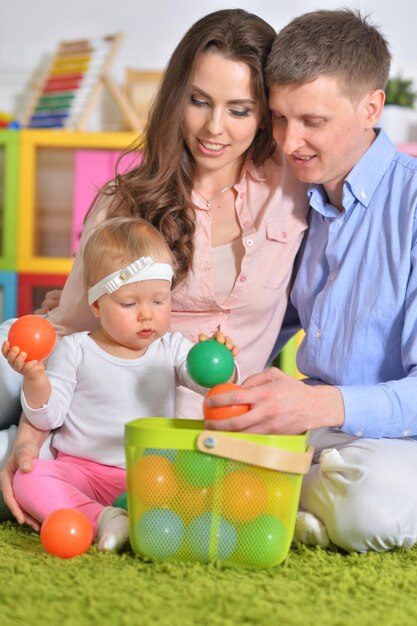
{"x":21,"y":458}
{"x":50,"y":302}
{"x":25,"y":450}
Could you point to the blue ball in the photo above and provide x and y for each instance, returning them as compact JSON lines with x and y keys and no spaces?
{"x":165,"y":452}
{"x":158,"y":534}
{"x":211,"y":538}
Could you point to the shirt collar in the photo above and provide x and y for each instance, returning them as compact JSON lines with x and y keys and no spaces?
{"x":366,"y":176}
{"x":362,"y":181}
{"x":257,"y":172}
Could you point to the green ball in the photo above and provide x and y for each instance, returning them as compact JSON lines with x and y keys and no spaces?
{"x":210,"y":363}
{"x":200,"y":469}
{"x":263,"y":542}
{"x":121,"y":501}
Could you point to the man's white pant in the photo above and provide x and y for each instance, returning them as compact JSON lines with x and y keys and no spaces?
{"x":363,"y":490}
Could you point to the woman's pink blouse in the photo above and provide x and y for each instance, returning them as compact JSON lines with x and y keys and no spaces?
{"x":272,"y":210}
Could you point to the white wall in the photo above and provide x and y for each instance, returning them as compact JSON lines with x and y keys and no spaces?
{"x":31,"y":29}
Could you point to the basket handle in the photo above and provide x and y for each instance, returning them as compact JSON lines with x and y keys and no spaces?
{"x":219,"y":444}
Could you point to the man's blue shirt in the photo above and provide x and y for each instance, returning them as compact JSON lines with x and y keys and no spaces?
{"x":356,"y":293}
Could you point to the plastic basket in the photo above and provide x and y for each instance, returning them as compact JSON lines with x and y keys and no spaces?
{"x":198,"y":495}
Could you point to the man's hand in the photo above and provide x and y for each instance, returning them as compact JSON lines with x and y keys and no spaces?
{"x":281,"y":405}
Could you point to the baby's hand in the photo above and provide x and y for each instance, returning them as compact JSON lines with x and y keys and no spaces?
{"x":16,"y":359}
{"x":220,"y":337}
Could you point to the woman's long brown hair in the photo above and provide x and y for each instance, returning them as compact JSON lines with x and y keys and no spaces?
{"x":159,"y":190}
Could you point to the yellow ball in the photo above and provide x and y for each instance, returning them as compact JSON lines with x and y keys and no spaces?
{"x":281,"y":490}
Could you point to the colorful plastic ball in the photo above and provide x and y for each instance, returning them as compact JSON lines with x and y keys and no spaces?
{"x":243,"y":496}
{"x":167,"y":453}
{"x":211,"y":538}
{"x":153,"y":480}
{"x":210,"y":363}
{"x":192,"y":501}
{"x":158,"y":534}
{"x":33,"y":335}
{"x":66,"y":533}
{"x":223,"y":412}
{"x":263,"y":542}
{"x":121,"y":501}
{"x":199,"y":469}
{"x":282,"y":493}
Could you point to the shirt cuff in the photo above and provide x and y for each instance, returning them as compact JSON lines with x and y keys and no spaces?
{"x":237,"y":379}
{"x":37,"y":417}
{"x":367,"y":412}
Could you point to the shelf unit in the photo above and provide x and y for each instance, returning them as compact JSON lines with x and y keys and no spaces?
{"x":48,"y":179}
{"x":47,"y":189}
{"x":32,"y":288}
{"x":8,"y":295}
{"x":9,"y":173}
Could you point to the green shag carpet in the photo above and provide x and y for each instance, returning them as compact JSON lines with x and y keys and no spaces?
{"x":313,"y":586}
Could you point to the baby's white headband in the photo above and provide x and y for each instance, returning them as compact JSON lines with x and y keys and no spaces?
{"x":141,"y":269}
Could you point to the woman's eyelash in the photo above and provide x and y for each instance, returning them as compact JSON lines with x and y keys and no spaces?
{"x":245,"y":113}
{"x":202,"y":103}
{"x":197,"y":102}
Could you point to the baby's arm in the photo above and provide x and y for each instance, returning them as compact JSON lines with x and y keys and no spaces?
{"x":36,"y":385}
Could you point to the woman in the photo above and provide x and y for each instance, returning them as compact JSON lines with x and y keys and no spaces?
{"x":211,"y":182}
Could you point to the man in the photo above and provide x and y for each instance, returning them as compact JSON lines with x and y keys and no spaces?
{"x":355,"y":291}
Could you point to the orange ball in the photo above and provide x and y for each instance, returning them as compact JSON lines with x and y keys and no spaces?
{"x":191,"y":501}
{"x":244,"y":496}
{"x":33,"y":335}
{"x":66,"y":533}
{"x":223,"y":412}
{"x":154,"y":480}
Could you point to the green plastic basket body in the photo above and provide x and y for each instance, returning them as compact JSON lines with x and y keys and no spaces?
{"x":190,"y":505}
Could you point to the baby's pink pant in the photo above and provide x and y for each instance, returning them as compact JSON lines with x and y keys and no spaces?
{"x":68,"y":482}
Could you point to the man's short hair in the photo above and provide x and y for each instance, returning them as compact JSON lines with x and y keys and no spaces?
{"x":342,"y":43}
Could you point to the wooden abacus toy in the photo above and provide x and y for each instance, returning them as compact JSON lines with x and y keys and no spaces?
{"x":73,"y":82}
